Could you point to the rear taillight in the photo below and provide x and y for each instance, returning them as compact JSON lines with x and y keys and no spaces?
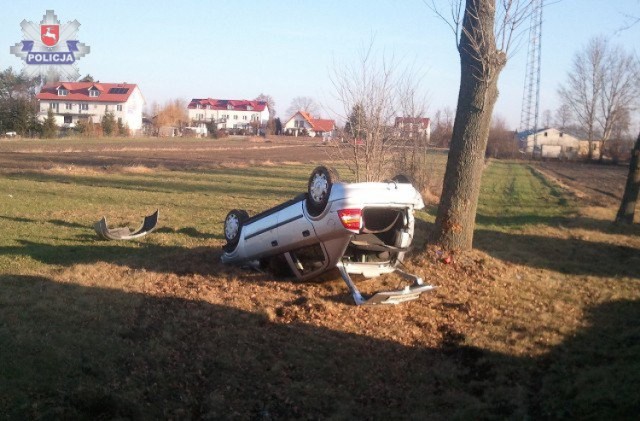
{"x":351,"y":219}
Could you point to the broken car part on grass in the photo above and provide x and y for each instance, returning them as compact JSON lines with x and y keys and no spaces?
{"x":148,"y":225}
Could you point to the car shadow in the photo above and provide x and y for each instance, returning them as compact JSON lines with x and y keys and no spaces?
{"x":70,"y":351}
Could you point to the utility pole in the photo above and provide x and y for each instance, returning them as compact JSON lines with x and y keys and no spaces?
{"x":531,"y":93}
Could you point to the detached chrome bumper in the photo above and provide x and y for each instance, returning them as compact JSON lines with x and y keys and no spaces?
{"x":408,"y":293}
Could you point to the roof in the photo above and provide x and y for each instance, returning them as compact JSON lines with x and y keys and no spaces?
{"x":228,"y":104}
{"x":317,"y":124}
{"x":79,"y":91}
{"x":412,"y":120}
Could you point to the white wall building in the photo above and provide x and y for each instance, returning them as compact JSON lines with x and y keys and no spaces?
{"x":302,"y":122}
{"x":228,"y":113}
{"x":74,"y":101}
{"x":554,"y":143}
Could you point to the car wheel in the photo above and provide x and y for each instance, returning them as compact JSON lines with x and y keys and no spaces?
{"x":319,"y":189}
{"x":233,"y":225}
{"x":402,"y":179}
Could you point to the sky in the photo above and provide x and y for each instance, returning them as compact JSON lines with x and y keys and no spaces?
{"x":237,"y":49}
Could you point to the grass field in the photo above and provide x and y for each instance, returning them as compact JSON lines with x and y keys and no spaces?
{"x":540,"y":321}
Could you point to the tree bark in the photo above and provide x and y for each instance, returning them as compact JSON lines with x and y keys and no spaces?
{"x":632,"y":188}
{"x":480,"y":63}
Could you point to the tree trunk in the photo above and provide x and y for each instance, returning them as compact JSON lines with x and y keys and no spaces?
{"x":481,"y":64}
{"x":630,"y":197}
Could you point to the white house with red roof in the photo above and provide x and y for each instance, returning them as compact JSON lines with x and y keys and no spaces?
{"x":413,"y":127}
{"x":90,"y":101}
{"x":302,"y":122}
{"x":228,"y":113}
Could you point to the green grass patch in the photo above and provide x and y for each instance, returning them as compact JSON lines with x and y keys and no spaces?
{"x":513,"y":195}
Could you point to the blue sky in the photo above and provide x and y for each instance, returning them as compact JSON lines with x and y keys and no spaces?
{"x":238,"y":49}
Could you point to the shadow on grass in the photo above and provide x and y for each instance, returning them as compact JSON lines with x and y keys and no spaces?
{"x":76,"y":352}
{"x":520,"y":220}
{"x":571,"y":256}
{"x":591,"y":224}
{"x":191,"y":232}
{"x":151,"y":257}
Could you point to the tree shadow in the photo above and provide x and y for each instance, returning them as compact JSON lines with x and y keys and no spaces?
{"x":592,"y":224}
{"x":191,"y":232}
{"x":136,"y":255}
{"x":570,"y":255}
{"x":70,"y":351}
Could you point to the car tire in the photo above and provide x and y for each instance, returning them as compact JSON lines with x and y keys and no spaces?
{"x":319,"y":189}
{"x":402,"y":179}
{"x":233,"y":226}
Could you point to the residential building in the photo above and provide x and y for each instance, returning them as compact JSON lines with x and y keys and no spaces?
{"x":553,"y":143}
{"x":302,"y":123}
{"x":412,"y":127}
{"x":90,"y":101}
{"x":228,"y":114}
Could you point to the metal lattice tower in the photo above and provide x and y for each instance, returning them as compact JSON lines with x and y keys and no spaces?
{"x":531,"y":94}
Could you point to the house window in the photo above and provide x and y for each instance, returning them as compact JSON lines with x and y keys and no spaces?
{"x":249,"y":108}
{"x":208,"y":107}
{"x":84,"y":106}
{"x":68,"y":119}
{"x":244,"y":117}
{"x":198,"y":106}
{"x":68,"y":106}
{"x":63,"y":92}
{"x":52,"y":105}
{"x":229,"y":107}
{"x":235,"y":116}
{"x":119,"y":107}
{"x":94,"y":92}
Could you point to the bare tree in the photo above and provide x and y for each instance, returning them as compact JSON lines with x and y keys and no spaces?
{"x":173,"y":113}
{"x":270,"y":103}
{"x":303,"y":103}
{"x":601,"y":85}
{"x":627,"y":208}
{"x":372,"y":92}
{"x":620,"y":91}
{"x":502,"y":142}
{"x":484,"y":32}
{"x":563,"y":116}
{"x":442,"y":127}
{"x":546,"y":118}
{"x":629,"y":200}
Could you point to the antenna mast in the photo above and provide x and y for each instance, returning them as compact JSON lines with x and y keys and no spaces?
{"x":531,"y":94}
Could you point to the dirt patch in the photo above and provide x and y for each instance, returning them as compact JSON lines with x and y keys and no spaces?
{"x":152,"y":153}
{"x":597,"y":184}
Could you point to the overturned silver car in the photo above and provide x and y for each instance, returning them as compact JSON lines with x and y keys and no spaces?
{"x":358,"y":228}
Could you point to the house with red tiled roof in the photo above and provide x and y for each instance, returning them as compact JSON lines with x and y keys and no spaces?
{"x":228,"y":114}
{"x":302,"y":123}
{"x":412,"y":127}
{"x":90,"y":101}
